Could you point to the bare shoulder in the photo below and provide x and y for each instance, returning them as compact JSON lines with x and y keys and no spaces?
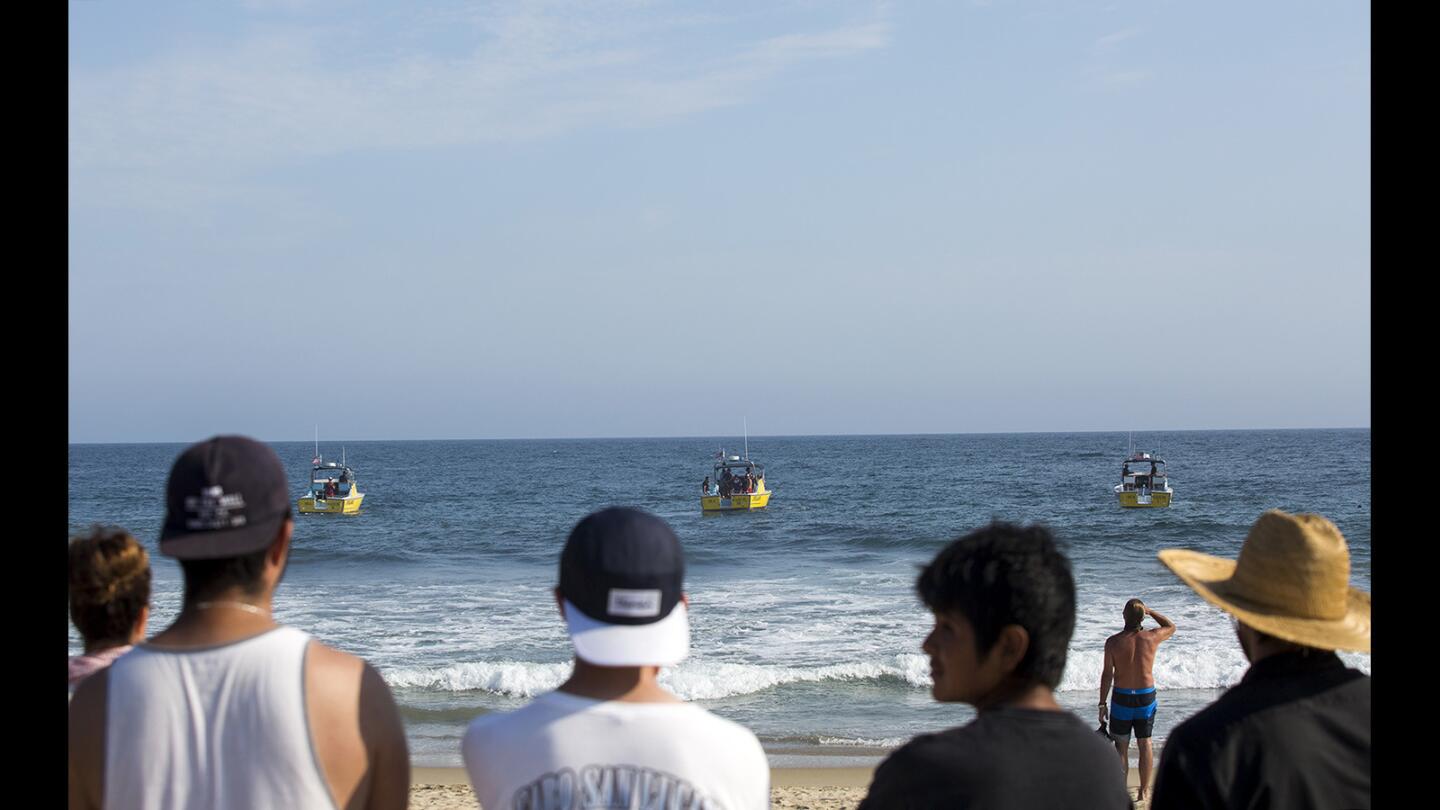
{"x":344,"y":680}
{"x":356,"y":728}
{"x":333,"y":661}
{"x":332,"y":684}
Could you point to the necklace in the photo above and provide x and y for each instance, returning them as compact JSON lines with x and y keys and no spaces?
{"x":245,"y":606}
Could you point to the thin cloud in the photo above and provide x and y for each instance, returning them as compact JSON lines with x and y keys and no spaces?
{"x":1109,"y":41}
{"x":291,"y":94}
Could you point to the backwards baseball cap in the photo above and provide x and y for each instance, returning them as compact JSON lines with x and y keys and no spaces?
{"x":622,"y":575}
{"x":226,"y":496}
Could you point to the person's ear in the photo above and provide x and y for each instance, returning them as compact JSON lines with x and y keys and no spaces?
{"x":275,"y":555}
{"x":1012,"y":645}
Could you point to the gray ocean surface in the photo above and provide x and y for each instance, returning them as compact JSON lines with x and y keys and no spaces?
{"x":805,"y":624}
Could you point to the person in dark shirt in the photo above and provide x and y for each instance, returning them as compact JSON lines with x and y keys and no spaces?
{"x":1295,"y":732}
{"x":1004,"y":605}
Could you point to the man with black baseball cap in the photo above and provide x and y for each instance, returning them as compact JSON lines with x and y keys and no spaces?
{"x":611,"y":735}
{"x":225,"y":708}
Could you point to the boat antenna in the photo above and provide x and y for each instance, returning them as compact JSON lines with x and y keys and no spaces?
{"x":746,"y":423}
{"x":342,"y":455}
{"x":317,"y":440}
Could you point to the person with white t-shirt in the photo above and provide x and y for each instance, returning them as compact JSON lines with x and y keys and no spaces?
{"x":611,"y":736}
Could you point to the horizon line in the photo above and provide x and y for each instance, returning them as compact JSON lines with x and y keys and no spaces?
{"x":758,"y":435}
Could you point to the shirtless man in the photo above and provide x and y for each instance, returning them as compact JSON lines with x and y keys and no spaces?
{"x":1129,"y":662}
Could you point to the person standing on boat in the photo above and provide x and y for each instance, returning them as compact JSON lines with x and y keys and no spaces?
{"x":705,"y":486}
{"x":1129,"y":664}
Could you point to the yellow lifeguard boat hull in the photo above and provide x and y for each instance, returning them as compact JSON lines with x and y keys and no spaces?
{"x":1134,"y":500}
{"x":331,"y":506}
{"x":734,"y":503}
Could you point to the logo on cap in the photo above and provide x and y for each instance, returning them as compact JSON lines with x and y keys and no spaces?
{"x":212,"y":508}
{"x":640,"y":604}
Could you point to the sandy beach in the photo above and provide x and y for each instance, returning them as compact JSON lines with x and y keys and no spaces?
{"x":790,"y":788}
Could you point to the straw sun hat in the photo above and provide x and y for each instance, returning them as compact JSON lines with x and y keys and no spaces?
{"x":1291,"y":581}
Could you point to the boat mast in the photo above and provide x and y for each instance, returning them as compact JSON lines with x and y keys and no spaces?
{"x":317,"y":440}
{"x":746,"y":423}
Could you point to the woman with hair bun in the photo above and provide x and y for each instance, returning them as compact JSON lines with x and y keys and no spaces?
{"x":109,"y":597}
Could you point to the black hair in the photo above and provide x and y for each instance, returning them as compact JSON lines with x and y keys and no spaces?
{"x":1005,"y":574}
{"x":206,"y":578}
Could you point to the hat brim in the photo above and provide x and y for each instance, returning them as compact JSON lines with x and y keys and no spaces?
{"x":1211,"y":578}
{"x":212,"y":545}
{"x":663,"y":643}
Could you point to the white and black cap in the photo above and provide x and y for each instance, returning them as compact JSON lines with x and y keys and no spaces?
{"x":622,"y":577}
{"x":226,"y":497}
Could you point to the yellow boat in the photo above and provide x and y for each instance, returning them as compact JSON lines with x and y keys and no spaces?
{"x":731,"y":489}
{"x":333,"y":490}
{"x":1142,"y":488}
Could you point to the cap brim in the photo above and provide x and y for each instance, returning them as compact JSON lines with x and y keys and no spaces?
{"x":1210,"y":577}
{"x":210,"y":545}
{"x":663,"y":643}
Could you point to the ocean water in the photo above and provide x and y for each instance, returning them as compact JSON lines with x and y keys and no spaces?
{"x":805,"y":624}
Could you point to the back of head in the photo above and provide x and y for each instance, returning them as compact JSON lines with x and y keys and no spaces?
{"x":622,"y":577}
{"x":1006,"y":574}
{"x":109,"y":585}
{"x":226,"y":501}
{"x":1134,"y":614}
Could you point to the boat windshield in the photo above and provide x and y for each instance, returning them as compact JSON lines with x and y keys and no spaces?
{"x":732,"y":478}
{"x":329,"y":482}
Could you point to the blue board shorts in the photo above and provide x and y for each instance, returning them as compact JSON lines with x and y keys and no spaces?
{"x":1133,"y":708}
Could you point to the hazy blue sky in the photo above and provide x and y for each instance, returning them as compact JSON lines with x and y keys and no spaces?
{"x":545,"y":219}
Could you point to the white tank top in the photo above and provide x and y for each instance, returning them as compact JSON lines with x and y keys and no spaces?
{"x":221,"y":728}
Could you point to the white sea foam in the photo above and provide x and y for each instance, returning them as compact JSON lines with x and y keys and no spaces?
{"x":694,"y":680}
{"x":861,"y":742}
{"x":510,"y":678}
{"x":713,"y":680}
{"x":1215,"y":663}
